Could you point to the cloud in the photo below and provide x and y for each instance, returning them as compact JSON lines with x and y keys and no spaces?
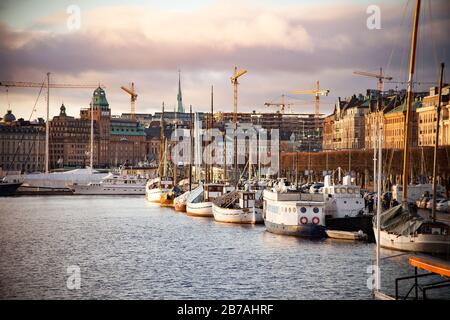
{"x":284,"y":47}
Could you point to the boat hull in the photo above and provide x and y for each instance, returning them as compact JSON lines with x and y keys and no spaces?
{"x":200,"y":209}
{"x":180,"y":207}
{"x":108,"y":190}
{"x":250,"y":216}
{"x":303,"y":231}
{"x":8,"y":189}
{"x":424,"y":243}
{"x":154,"y":195}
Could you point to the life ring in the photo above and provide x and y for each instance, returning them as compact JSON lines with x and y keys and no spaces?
{"x":303,"y":220}
{"x":315,"y":220}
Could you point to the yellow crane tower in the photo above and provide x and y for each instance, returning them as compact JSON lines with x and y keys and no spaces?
{"x":234,"y":81}
{"x":317,"y":92}
{"x":379,"y":76}
{"x":133,"y":96}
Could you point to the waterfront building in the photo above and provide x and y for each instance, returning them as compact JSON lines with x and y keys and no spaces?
{"x":427,"y":118}
{"x":102,"y":118}
{"x":70,"y":141}
{"x":374,"y":119}
{"x":127,"y":142}
{"x":394,"y":126}
{"x":346,"y":126}
{"x":22,"y":144}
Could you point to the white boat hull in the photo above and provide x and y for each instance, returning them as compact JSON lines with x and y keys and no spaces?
{"x":154,"y":195}
{"x":251,"y":215}
{"x":425,"y":243}
{"x":199,"y":209}
{"x":108,"y":190}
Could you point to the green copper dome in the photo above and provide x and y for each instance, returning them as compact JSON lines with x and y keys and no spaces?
{"x":99,"y":99}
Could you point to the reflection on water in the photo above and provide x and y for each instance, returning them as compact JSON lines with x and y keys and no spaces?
{"x":129,"y":249}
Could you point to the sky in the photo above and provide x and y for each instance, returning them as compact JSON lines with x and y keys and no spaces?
{"x":285,"y":45}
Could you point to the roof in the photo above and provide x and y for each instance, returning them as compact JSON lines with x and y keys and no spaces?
{"x":417,"y":104}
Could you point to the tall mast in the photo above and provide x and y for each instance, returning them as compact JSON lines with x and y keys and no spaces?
{"x":409,"y":98}
{"x":91,"y":152}
{"x":211,"y":174}
{"x":436,"y":142}
{"x":161,"y":145}
{"x":47,"y":126}
{"x":191,"y":130}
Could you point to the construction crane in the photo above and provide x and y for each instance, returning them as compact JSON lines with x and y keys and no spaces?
{"x":234,"y":81}
{"x":47,"y":84}
{"x":282,"y":105}
{"x":133,"y":96}
{"x":379,"y":76}
{"x":317,"y":92}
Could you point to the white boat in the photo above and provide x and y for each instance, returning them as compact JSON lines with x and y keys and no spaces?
{"x":294,"y":213}
{"x":346,"y":235}
{"x":401,"y":230}
{"x":179,"y":202}
{"x":112,"y":185}
{"x":199,"y":201}
{"x":345,"y":209}
{"x":56,"y":182}
{"x":156,"y":187}
{"x":240,"y":206}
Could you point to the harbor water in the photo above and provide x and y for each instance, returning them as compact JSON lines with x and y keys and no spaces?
{"x":127,"y":248}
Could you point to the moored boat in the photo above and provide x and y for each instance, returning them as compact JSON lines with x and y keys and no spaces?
{"x":294,"y":213}
{"x":8,"y":188}
{"x":155,"y":188}
{"x":199,"y":201}
{"x":238,"y":207}
{"x":112,"y":185}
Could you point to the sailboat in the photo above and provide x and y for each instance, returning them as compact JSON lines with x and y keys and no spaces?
{"x":157,"y":186}
{"x":400,"y":228}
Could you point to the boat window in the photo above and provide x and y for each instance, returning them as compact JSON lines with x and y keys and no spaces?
{"x":316,"y":210}
{"x":303,"y":209}
{"x":350,"y":190}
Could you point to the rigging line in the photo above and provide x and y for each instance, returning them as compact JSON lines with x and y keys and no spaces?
{"x":402,"y":23}
{"x":433,"y":41}
{"x":23,"y":134}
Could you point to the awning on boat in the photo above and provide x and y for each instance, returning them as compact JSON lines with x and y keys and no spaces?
{"x":399,"y":221}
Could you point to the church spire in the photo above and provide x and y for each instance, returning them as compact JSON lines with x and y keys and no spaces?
{"x":179,"y":96}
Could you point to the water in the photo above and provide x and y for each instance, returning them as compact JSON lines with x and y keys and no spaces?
{"x":127,"y":248}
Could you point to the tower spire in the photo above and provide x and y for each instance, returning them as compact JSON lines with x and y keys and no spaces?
{"x":179,"y":96}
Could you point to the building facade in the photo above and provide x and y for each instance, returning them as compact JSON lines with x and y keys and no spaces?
{"x":22,"y":144}
{"x":427,"y":118}
{"x":127,"y":143}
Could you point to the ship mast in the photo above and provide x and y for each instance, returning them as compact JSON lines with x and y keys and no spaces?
{"x":161,"y":146}
{"x":409,"y":98}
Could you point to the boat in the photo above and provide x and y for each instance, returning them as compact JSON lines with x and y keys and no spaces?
{"x":199,"y":201}
{"x":55,"y":182}
{"x":345,"y":209}
{"x":294,"y":213}
{"x":167,"y":198}
{"x":8,"y":188}
{"x":154,"y":189}
{"x":346,"y":235}
{"x":179,"y":202}
{"x":402,"y":230}
{"x":112,"y":184}
{"x":240,"y":206}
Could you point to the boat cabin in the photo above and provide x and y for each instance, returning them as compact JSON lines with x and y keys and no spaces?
{"x":213,"y":190}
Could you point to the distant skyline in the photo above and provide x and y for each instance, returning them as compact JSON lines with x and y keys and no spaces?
{"x":285,"y":46}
